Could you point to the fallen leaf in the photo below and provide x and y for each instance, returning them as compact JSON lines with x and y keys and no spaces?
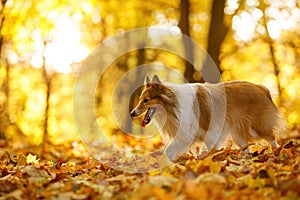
{"x":32,"y":159}
{"x":162,"y":181}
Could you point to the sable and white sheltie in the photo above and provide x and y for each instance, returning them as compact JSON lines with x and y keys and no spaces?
{"x":211,"y":113}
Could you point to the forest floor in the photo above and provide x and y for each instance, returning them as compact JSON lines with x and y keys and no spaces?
{"x":69,"y":172}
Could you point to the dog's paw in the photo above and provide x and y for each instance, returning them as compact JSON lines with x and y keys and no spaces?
{"x":172,"y":155}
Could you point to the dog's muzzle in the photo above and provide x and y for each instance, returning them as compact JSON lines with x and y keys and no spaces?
{"x":132,"y":114}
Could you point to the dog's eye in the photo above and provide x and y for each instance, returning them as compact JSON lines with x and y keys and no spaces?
{"x":146,"y":100}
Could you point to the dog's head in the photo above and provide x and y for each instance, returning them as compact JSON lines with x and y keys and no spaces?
{"x":153,"y":96}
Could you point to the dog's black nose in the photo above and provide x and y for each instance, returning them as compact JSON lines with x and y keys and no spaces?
{"x":132,"y":114}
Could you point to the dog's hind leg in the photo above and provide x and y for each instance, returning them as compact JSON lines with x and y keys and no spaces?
{"x":238,"y":134}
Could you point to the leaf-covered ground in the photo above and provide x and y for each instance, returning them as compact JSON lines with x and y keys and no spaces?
{"x":69,"y":172}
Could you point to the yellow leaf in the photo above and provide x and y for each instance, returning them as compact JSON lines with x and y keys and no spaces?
{"x":21,"y":159}
{"x":211,"y":177}
{"x":32,"y":159}
{"x":162,"y":181}
{"x":215,"y":167}
{"x":160,"y":193}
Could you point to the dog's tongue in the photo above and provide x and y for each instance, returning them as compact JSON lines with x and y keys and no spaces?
{"x":148,"y":116}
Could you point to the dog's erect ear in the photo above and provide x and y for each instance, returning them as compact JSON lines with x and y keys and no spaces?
{"x":147,"y":81}
{"x":156,"y":80}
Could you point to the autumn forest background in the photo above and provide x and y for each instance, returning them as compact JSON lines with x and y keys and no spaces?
{"x":45,"y":43}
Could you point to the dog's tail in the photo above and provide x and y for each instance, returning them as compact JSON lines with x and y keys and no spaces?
{"x":280,"y":125}
{"x":271,"y":90}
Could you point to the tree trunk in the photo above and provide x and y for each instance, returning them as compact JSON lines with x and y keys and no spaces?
{"x":184,"y":25}
{"x":4,"y":121}
{"x":217,"y":33}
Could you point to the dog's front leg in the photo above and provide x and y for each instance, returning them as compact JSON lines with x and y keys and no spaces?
{"x":172,"y":150}
{"x":176,"y":148}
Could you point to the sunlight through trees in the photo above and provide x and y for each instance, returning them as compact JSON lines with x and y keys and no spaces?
{"x":43,"y":45}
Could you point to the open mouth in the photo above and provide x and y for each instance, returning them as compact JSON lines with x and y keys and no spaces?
{"x":148,"y":116}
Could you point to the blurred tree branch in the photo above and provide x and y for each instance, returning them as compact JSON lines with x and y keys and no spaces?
{"x":270,"y":42}
{"x":47,"y":79}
